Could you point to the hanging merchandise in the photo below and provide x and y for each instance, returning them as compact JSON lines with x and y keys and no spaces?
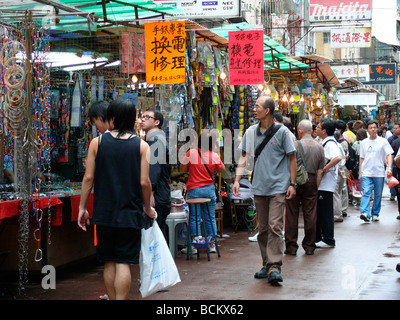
{"x":76,"y":112}
{"x":206,"y":59}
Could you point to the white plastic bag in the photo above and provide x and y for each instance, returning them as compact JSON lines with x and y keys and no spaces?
{"x":157,"y":267}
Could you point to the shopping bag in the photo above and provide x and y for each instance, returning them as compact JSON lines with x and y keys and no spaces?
{"x":392,"y":182}
{"x":157,"y":267}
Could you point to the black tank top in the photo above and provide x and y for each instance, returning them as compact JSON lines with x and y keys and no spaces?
{"x":117,"y":200}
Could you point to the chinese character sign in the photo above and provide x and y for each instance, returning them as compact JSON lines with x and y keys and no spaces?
{"x":359,"y":72}
{"x":382,"y":73}
{"x":132,"y":51}
{"x":246,"y":57}
{"x":351,"y":38}
{"x":165,"y":52}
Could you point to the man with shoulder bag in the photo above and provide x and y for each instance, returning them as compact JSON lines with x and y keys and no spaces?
{"x":311,"y":159}
{"x":275,"y":162}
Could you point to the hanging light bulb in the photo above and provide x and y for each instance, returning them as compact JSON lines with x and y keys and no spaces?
{"x":222,"y":75}
{"x":318,"y":103}
{"x":291,"y":98}
{"x":284,"y":98}
{"x":302,"y":99}
{"x":135,"y":78}
{"x":267,"y":91}
{"x":260,"y":87}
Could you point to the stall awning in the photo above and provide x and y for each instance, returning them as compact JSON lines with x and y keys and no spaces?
{"x":319,"y":70}
{"x":74,"y":15}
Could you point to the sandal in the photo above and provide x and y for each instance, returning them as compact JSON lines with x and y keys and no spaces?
{"x":105,"y":297}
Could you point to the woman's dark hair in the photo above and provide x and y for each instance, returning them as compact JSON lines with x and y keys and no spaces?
{"x":341,"y":125}
{"x":123,"y":112}
{"x":328,"y":125}
{"x":98,"y":109}
{"x":361,"y":134}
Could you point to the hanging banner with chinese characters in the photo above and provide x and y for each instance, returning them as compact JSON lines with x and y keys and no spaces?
{"x":382,"y":73}
{"x":246,"y":57}
{"x":351,"y":38}
{"x":165,"y":52}
{"x":132,"y":52}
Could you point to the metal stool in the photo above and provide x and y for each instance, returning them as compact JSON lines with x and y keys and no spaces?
{"x":174,"y":219}
{"x":198,"y":202}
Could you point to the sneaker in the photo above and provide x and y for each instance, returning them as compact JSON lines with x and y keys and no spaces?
{"x":212,"y":248}
{"x":392,"y":197}
{"x":274,"y":277}
{"x":253,"y":238}
{"x":364,"y":217}
{"x":323,"y":245}
{"x":194,"y":250}
{"x":375,"y":218}
{"x":262,"y":274}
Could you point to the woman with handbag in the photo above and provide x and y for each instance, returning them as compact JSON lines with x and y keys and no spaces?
{"x":201,"y":163}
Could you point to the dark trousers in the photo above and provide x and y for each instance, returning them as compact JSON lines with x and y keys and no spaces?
{"x":307,"y":195}
{"x":325,"y":220}
{"x":163,"y":210}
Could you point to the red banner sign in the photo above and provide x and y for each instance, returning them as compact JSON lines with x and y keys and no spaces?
{"x":133,"y":53}
{"x":246,"y":57}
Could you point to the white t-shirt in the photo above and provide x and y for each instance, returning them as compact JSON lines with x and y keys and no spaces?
{"x":374,"y":152}
{"x":329,"y":179}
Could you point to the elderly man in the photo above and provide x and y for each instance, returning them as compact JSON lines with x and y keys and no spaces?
{"x":306,"y":194}
{"x":275,"y":162}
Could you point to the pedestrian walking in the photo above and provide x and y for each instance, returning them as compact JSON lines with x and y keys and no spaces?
{"x":118,"y":165}
{"x":160,"y":169}
{"x":375,"y":152}
{"x":341,"y":196}
{"x":325,"y":221}
{"x":394,"y":143}
{"x":275,"y":163}
{"x":306,"y":194}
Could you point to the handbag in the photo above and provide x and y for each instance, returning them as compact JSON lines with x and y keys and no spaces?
{"x":157,"y":266}
{"x":212,"y":178}
{"x":302,"y":174}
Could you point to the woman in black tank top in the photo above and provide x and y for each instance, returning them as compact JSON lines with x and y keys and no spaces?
{"x":118,"y":169}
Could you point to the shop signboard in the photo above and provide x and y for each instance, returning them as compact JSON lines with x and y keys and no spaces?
{"x":351,"y":38}
{"x":132,"y":51}
{"x":165,"y":52}
{"x":339,"y":10}
{"x":246,"y":57}
{"x":196,"y":9}
{"x":359,"y":72}
{"x":382,"y":73}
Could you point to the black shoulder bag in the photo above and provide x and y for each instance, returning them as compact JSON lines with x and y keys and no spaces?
{"x":212,"y":178}
{"x":261,"y":146}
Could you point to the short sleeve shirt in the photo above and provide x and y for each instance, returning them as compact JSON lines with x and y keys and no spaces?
{"x":374,"y":151}
{"x":329,"y":179}
{"x":271,"y":174}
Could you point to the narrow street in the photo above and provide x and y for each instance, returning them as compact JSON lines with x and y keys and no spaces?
{"x":362,"y":266}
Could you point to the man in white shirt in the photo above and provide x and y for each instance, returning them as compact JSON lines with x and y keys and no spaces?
{"x":325,"y":219}
{"x":375,"y":151}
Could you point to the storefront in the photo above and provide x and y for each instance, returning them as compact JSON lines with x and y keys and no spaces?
{"x":51,"y":76}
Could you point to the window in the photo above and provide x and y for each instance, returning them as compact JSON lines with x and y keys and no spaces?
{"x":327,"y":37}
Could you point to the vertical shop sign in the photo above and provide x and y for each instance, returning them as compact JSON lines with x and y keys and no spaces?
{"x":132,"y":51}
{"x":246,"y":57}
{"x":165,"y":52}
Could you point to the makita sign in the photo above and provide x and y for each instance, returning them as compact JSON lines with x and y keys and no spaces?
{"x":338,"y":10}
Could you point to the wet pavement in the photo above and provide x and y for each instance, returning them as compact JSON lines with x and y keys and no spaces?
{"x":362,"y":266}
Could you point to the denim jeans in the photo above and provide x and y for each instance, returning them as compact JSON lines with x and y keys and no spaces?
{"x":369,"y":183}
{"x":203,"y":192}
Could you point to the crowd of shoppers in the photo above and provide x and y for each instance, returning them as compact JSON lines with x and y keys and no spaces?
{"x":130,"y":179}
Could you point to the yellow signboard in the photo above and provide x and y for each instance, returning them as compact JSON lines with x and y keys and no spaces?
{"x":165,"y":52}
